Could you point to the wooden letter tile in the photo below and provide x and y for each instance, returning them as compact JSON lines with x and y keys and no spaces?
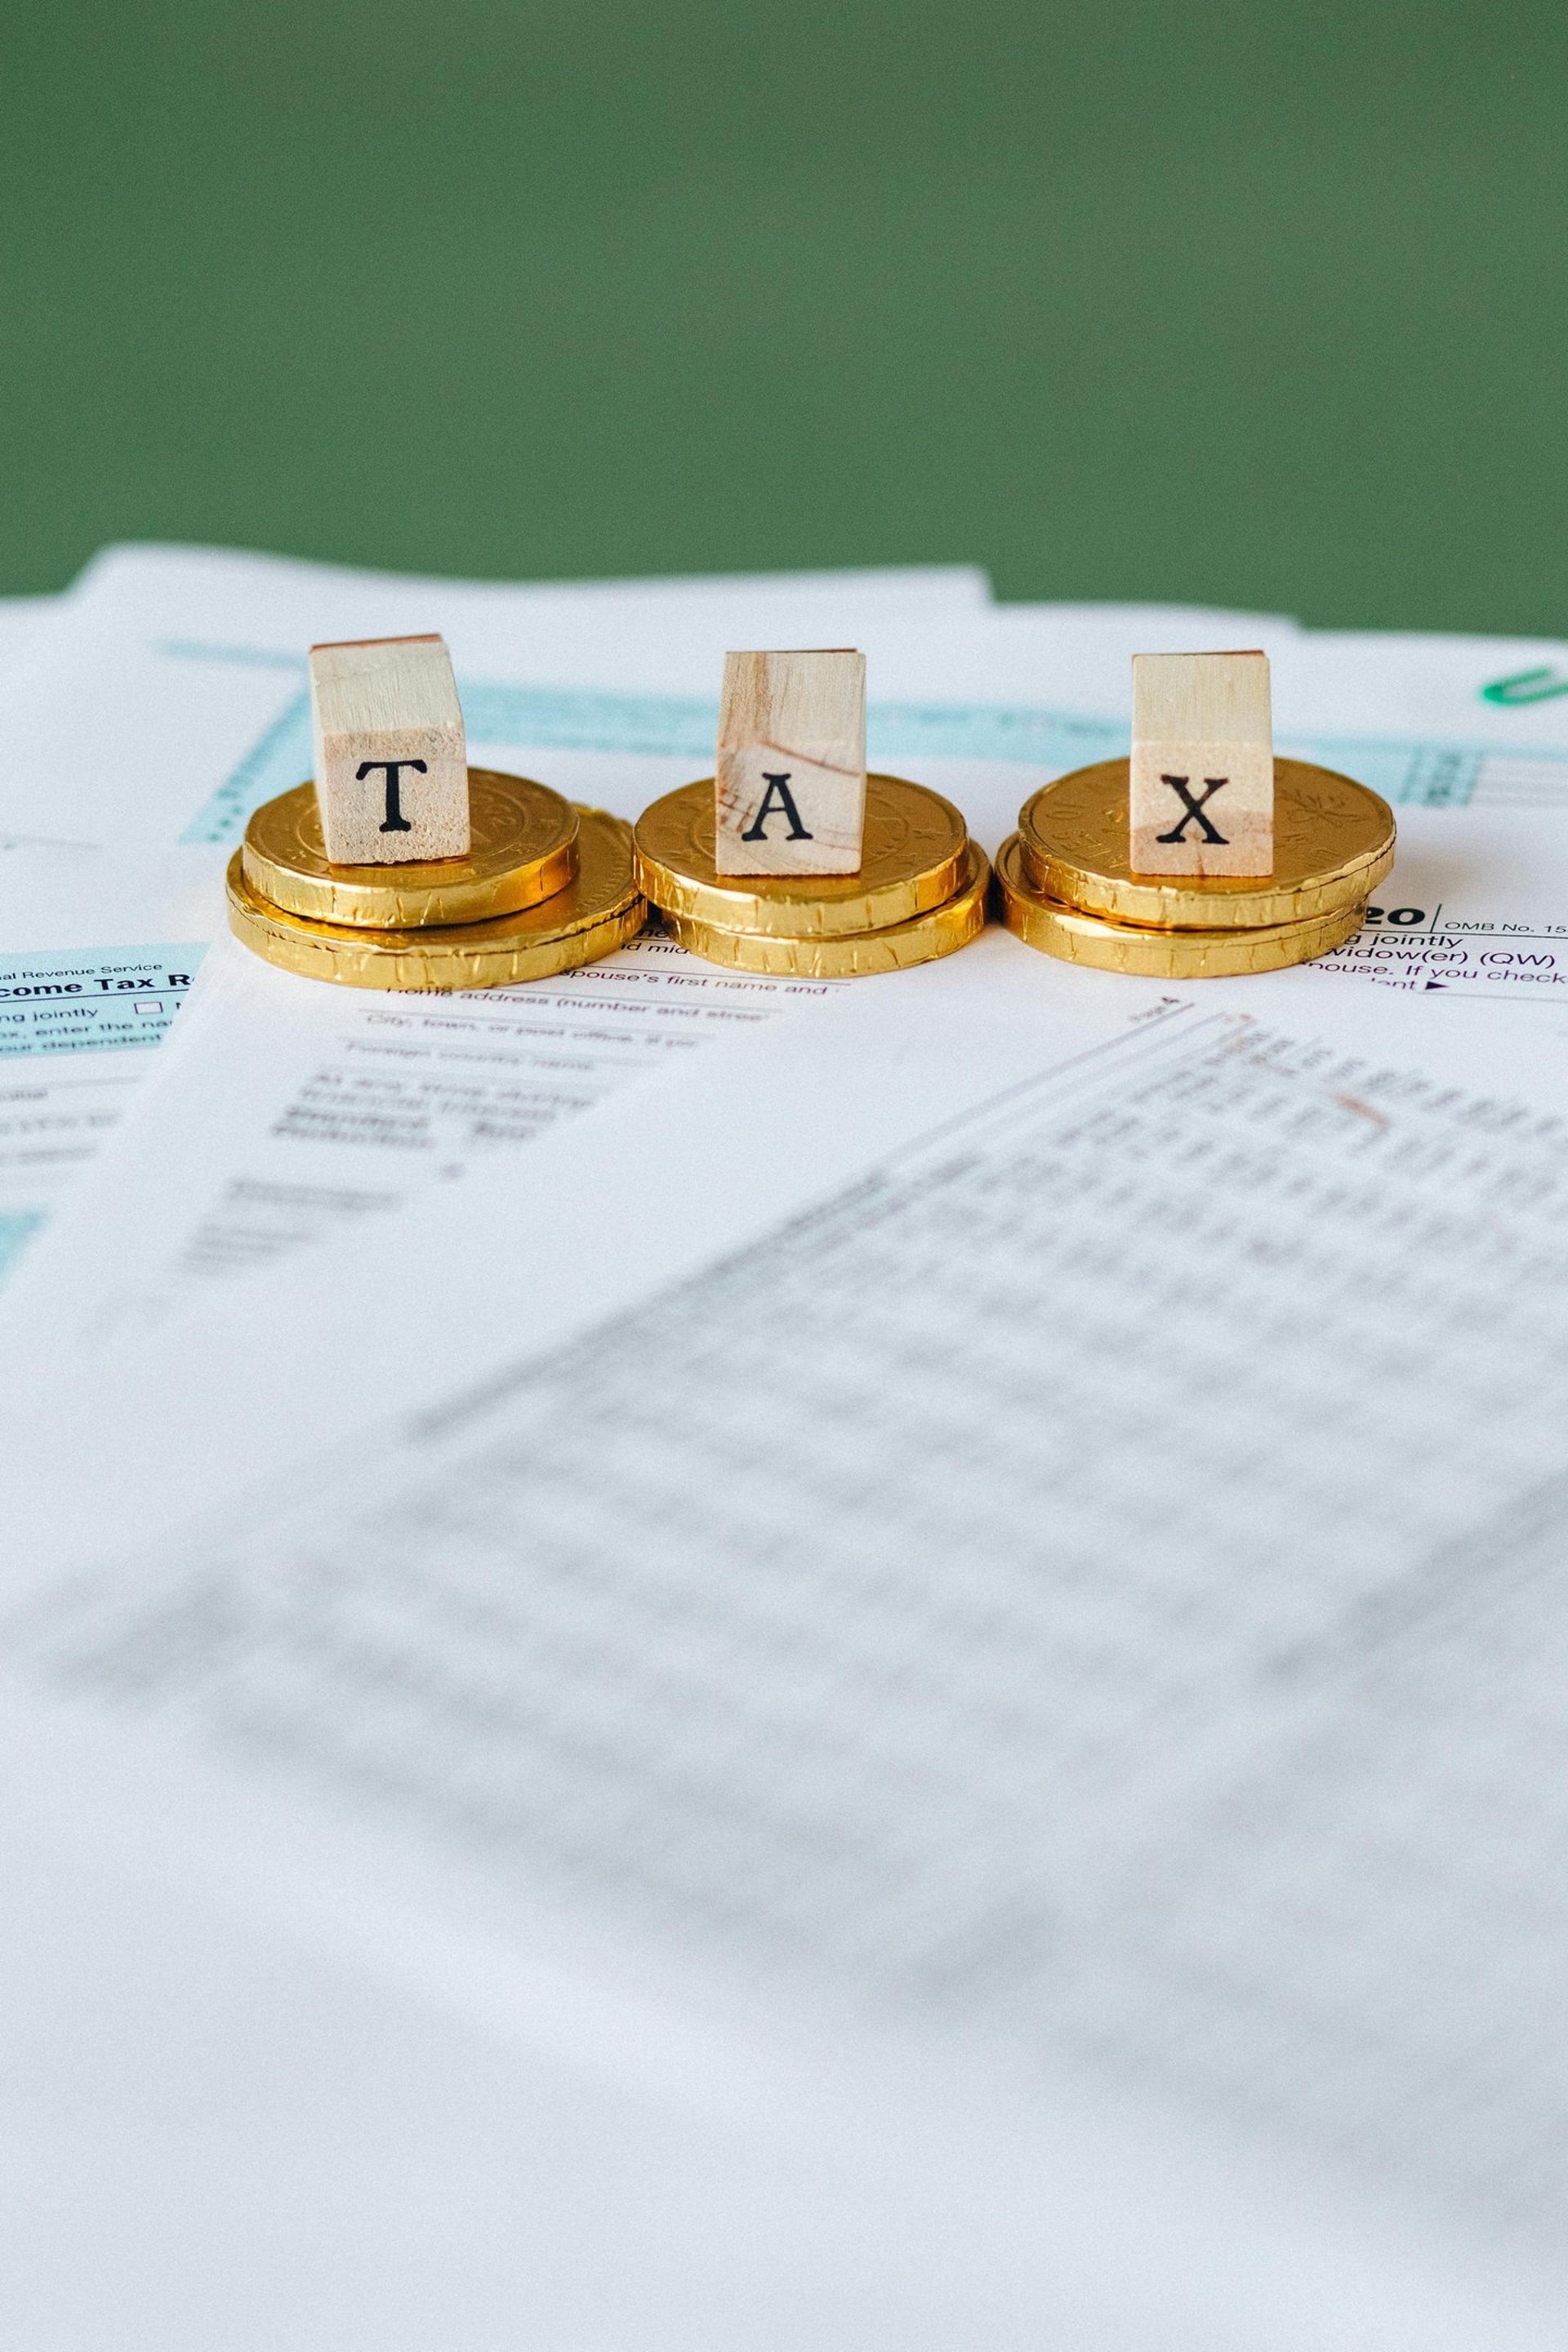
{"x":392,"y":766}
{"x":1203,"y":765}
{"x":790,"y":779}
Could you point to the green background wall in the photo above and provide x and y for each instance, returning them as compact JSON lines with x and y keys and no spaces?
{"x":1262,"y":304}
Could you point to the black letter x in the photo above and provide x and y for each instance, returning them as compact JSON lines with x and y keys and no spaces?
{"x":1190,"y":808}
{"x":394,"y":820}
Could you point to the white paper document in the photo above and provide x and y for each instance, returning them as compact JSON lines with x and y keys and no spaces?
{"x":173,"y":698}
{"x":136,"y":707}
{"x":176,"y":698}
{"x":97,"y":953}
{"x":184,"y":688}
{"x":944,"y":1623}
{"x":1475,"y":908}
{"x":290,"y":1110}
{"x":1043,"y":1584}
{"x":287,"y":1109}
{"x":1440,"y":721}
{"x":22,"y":620}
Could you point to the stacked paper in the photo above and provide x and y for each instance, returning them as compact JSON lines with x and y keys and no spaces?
{"x":696,"y":1661}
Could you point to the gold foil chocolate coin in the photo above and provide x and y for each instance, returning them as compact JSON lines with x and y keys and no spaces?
{"x":1095,"y":940}
{"x":938,"y":932}
{"x":1333,"y":842}
{"x":523,"y":850}
{"x":599,"y":910}
{"x":912,"y":860}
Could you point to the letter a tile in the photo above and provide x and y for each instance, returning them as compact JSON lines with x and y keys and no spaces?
{"x":790,"y":778}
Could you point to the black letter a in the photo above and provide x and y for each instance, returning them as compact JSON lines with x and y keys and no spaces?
{"x":778,"y":785}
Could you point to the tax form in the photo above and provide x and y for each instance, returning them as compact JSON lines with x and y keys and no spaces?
{"x":98,"y":951}
{"x":170,"y":689}
{"x":1029,"y":1606}
{"x":292,"y":1108}
{"x":130,"y":704}
{"x":1274,"y":1787}
{"x":1442,"y":721}
{"x":173,"y":698}
{"x":1475,"y":908}
{"x":22,"y":622}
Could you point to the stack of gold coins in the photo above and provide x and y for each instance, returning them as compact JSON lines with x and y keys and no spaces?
{"x":920,"y":891}
{"x":1065,"y":883}
{"x":546,"y":887}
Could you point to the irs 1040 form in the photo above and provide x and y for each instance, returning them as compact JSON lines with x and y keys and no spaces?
{"x":1059,"y":1598}
{"x":299,"y":1107}
{"x":286,"y":1110}
{"x":98,"y":951}
{"x":161,"y":698}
